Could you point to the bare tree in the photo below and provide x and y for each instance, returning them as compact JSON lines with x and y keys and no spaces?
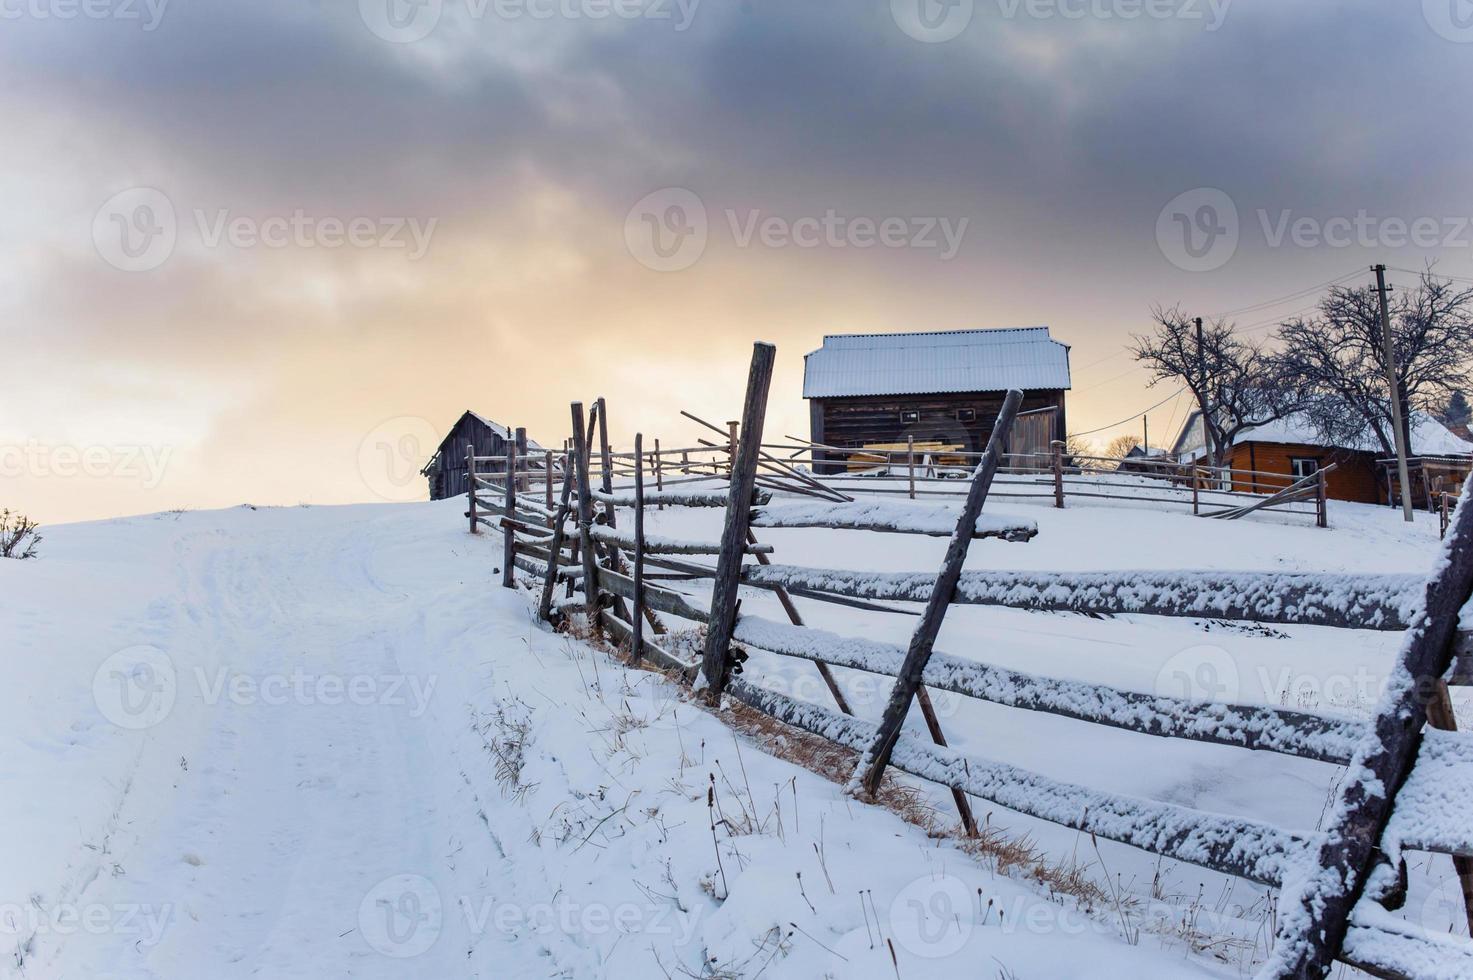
{"x":1121,"y":446}
{"x":1336,"y":357}
{"x":1242,"y":382}
{"x":18,"y":537}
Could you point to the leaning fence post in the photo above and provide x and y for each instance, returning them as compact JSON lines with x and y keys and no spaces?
{"x":1196,"y":496}
{"x":1317,"y":904}
{"x":738,"y":516}
{"x":637,"y":621}
{"x":509,"y":545}
{"x":731,"y":445}
{"x":1058,"y":453}
{"x":585,"y":518}
{"x":908,"y":677}
{"x":547,"y":466}
{"x":659,"y":474}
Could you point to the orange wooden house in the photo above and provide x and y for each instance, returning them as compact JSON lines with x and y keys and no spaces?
{"x":1274,"y":455}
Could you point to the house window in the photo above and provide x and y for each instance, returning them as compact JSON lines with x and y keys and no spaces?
{"x":909,"y":417}
{"x":1302,"y":466}
{"x":966,"y":415}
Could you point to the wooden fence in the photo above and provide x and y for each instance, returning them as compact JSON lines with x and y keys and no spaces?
{"x":1338,"y":884}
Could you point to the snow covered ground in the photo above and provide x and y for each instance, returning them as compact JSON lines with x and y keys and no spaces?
{"x":322,"y":742}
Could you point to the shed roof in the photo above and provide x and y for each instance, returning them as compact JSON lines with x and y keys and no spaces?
{"x":936,"y":362}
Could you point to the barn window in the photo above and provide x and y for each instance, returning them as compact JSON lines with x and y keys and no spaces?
{"x":966,"y":415}
{"x":909,"y":417}
{"x":1302,"y":466}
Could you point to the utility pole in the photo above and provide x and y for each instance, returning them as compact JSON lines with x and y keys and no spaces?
{"x":1145,"y":434}
{"x":1202,"y":402}
{"x":1395,"y":394}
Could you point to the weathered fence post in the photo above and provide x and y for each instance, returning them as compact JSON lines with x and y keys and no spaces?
{"x":1316,"y":906}
{"x":1440,"y":715}
{"x":1058,"y":453}
{"x":738,"y":516}
{"x":908,"y":678}
{"x":524,"y":480}
{"x":585,"y":518}
{"x":1321,"y":508}
{"x":470,"y":485}
{"x":509,"y":541}
{"x":547,"y":464}
{"x":555,"y":546}
{"x":910,"y":463}
{"x":1196,"y":496}
{"x":659,"y":474}
{"x":637,"y":621}
{"x":731,"y":446}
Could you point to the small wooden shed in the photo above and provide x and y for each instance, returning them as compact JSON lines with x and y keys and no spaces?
{"x":446,"y":470}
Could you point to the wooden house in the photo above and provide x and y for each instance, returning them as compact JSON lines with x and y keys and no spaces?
{"x":446,"y":470}
{"x":1290,"y":448}
{"x":940,"y":388}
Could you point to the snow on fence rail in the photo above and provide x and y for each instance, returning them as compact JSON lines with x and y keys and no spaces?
{"x":1405,"y":790}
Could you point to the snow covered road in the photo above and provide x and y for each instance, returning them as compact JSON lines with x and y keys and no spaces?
{"x":322,"y":742}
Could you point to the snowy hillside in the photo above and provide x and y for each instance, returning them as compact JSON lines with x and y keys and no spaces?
{"x":323,"y":742}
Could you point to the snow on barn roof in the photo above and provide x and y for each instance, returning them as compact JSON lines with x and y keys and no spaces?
{"x":934,"y":362}
{"x":1429,"y":436}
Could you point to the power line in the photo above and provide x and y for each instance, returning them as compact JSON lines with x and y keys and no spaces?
{"x":1131,"y":418}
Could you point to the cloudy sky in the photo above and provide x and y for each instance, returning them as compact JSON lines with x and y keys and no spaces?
{"x":261,"y":251}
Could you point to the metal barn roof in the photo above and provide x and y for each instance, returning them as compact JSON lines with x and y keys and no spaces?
{"x":932,"y":363}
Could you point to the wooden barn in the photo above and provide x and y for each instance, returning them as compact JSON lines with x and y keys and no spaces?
{"x":940,"y":388}
{"x":446,"y":470}
{"x":1290,"y":448}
